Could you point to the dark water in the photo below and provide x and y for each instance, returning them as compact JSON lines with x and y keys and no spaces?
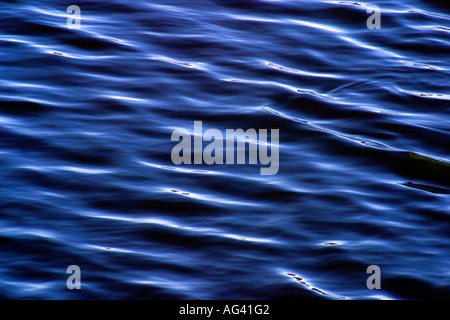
{"x":86,"y":118}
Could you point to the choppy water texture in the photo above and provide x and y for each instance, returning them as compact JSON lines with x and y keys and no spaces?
{"x":86,"y":118}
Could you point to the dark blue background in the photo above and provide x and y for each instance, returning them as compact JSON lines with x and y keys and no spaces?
{"x":86,"y":177}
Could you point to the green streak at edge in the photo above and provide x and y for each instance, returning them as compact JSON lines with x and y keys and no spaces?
{"x":429,"y":160}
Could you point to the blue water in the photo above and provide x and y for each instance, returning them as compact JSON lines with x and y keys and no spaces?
{"x":86,"y":117}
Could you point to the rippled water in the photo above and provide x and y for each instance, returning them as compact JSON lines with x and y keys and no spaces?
{"x":86,"y":117}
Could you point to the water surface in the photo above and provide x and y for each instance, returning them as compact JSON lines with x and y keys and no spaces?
{"x":86,"y":118}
